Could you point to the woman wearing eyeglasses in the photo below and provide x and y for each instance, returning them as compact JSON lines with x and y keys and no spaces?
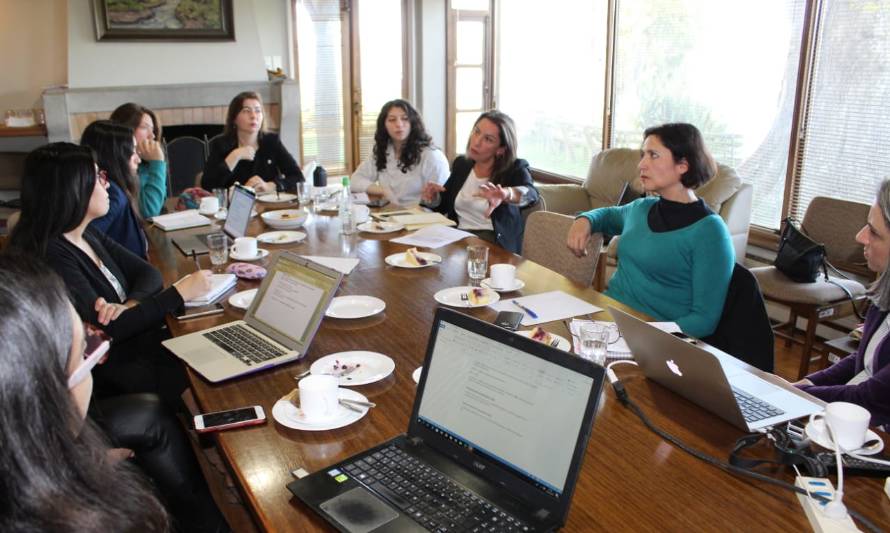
{"x":248,"y":155}
{"x":62,"y":193}
{"x":60,"y":473}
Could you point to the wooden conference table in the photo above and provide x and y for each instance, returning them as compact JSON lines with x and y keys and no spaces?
{"x":631,"y":479}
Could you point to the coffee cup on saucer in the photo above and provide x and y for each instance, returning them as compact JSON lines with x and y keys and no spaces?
{"x":847,"y":422}
{"x":503,"y":276}
{"x":209,"y":205}
{"x":245,"y":247}
{"x":319,"y":397}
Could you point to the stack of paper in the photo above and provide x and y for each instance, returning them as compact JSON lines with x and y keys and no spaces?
{"x":433,"y":236}
{"x":180,"y":220}
{"x":416,"y":218}
{"x":219,"y":285}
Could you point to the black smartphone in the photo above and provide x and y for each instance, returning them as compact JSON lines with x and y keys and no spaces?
{"x":508,"y":320}
{"x":204,"y":310}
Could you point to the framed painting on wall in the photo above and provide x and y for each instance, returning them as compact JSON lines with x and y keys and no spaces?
{"x":163,"y":20}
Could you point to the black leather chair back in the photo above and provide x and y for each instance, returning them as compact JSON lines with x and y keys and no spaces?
{"x":185,"y":160}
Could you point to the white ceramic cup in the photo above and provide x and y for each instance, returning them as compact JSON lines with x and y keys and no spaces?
{"x":319,"y":397}
{"x":848,"y":421}
{"x":209,"y":204}
{"x":245,"y":247}
{"x":361,"y":213}
{"x":503,"y":276}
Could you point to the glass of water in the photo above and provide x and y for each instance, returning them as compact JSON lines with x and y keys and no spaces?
{"x":594,"y":342}
{"x":304,"y":190}
{"x":218,"y":246}
{"x":221,"y":195}
{"x":477,"y":263}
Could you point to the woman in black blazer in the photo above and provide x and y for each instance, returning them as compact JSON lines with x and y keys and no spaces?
{"x":244,"y":153}
{"x":488,"y":185}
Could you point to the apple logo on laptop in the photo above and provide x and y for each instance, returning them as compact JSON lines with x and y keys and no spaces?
{"x":674,"y":368}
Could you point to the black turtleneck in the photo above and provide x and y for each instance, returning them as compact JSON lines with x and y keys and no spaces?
{"x":666,"y":215}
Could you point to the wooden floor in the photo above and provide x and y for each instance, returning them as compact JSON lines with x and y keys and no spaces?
{"x":788,"y":360}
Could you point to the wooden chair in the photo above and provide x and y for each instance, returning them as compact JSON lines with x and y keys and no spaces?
{"x":544,"y":243}
{"x":834,"y":223}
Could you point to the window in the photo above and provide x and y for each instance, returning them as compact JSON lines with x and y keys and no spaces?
{"x":554,"y":92}
{"x":729,"y":68}
{"x":844,"y":152}
{"x":469,"y":74}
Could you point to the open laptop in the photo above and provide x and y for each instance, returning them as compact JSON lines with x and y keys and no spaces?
{"x":237,"y":220}
{"x":742,"y":395}
{"x":277,"y":328}
{"x":499,"y":427}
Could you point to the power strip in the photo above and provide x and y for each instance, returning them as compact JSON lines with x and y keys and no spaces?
{"x":813,"y":508}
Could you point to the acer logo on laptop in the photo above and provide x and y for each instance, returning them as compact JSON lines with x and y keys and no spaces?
{"x":674,"y":368}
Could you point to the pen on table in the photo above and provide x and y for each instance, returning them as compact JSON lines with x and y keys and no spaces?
{"x":195,"y":259}
{"x":528,"y":311}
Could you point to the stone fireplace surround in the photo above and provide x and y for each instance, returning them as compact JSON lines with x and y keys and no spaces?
{"x":68,"y":111}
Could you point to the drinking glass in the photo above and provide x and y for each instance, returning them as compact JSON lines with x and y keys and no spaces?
{"x":477,"y":263}
{"x":594,"y":342}
{"x":218,"y":246}
{"x":303,"y":193}
{"x":221,"y":195}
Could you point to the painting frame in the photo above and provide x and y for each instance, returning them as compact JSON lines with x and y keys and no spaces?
{"x":107,"y":31}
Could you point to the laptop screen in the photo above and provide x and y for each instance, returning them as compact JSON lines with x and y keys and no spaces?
{"x":513,"y":407}
{"x":238,"y":215}
{"x":293,"y":301}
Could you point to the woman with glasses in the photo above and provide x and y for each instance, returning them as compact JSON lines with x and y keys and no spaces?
{"x":152,"y":170}
{"x":246,"y":154}
{"x":60,"y":472}
{"x":403,"y":160}
{"x":62,"y":194}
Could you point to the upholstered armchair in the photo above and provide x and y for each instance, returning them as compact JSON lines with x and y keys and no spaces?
{"x":611,"y":169}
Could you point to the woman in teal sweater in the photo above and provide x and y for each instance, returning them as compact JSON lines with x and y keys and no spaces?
{"x":152,"y":171}
{"x":675,"y":256}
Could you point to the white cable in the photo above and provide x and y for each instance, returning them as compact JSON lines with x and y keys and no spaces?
{"x":611,"y":373}
{"x":835,"y":509}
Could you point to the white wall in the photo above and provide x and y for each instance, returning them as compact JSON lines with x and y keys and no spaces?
{"x":116,"y":63}
{"x":430,"y":66}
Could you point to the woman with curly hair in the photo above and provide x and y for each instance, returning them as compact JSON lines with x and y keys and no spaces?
{"x":404,"y":159}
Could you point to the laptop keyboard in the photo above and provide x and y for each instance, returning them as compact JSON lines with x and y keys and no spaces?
{"x":243,"y":344}
{"x":428,"y":496}
{"x":754,"y":409}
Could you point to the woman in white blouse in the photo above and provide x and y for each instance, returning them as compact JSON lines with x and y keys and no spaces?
{"x":404,"y":159}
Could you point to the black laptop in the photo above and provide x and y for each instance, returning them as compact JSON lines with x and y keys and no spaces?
{"x":237,"y":221}
{"x":495,"y":441}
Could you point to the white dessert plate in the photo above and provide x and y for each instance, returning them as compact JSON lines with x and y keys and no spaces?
{"x":243,"y":299}
{"x":260,"y":253}
{"x":289,"y":415}
{"x":285,"y":218}
{"x":276,"y":198}
{"x":380,"y":227}
{"x":416,"y":374}
{"x":517,"y":284}
{"x":357,"y":367}
{"x":281,"y":237}
{"x":399,"y":260}
{"x":454,"y":297}
{"x":561,"y":342}
{"x":354,"y":306}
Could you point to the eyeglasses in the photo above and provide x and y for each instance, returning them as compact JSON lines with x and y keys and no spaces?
{"x":102,"y":177}
{"x":97,"y":343}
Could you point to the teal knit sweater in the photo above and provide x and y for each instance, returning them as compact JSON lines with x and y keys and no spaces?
{"x":152,"y":187}
{"x":680,"y":275}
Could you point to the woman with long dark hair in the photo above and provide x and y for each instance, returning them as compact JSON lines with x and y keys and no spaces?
{"x":404,"y":159}
{"x":56,"y":472}
{"x":152,"y":171}
{"x":115,"y":150}
{"x":488,"y":185}
{"x":675,"y":257}
{"x":248,"y":155}
{"x":62,"y":193}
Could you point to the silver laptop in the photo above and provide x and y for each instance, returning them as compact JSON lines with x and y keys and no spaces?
{"x":277,"y":328}
{"x":739,"y":393}
{"x":237,"y":220}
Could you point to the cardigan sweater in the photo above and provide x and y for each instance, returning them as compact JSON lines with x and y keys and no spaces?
{"x":680,"y":275}
{"x":830,"y":384}
{"x":271,"y":160}
{"x":506,"y":219}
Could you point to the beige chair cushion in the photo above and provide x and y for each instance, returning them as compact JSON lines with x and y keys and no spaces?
{"x":544,"y":243}
{"x":777,"y":286}
{"x":608,"y":172}
{"x":720,"y":188}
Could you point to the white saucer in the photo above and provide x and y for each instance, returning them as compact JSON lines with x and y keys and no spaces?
{"x":369,"y":366}
{"x":288,"y":415}
{"x":517,"y":284}
{"x":243,"y":299}
{"x":275,"y":198}
{"x":452,"y":296}
{"x":398,"y":260}
{"x":354,"y":307}
{"x":561,"y":342}
{"x":208,"y":213}
{"x":260,"y":253}
{"x":816,"y":432}
{"x":381,"y":227}
{"x":416,"y":374}
{"x":281,"y":237}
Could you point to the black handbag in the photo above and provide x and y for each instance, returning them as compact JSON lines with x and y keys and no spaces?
{"x":799,"y":257}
